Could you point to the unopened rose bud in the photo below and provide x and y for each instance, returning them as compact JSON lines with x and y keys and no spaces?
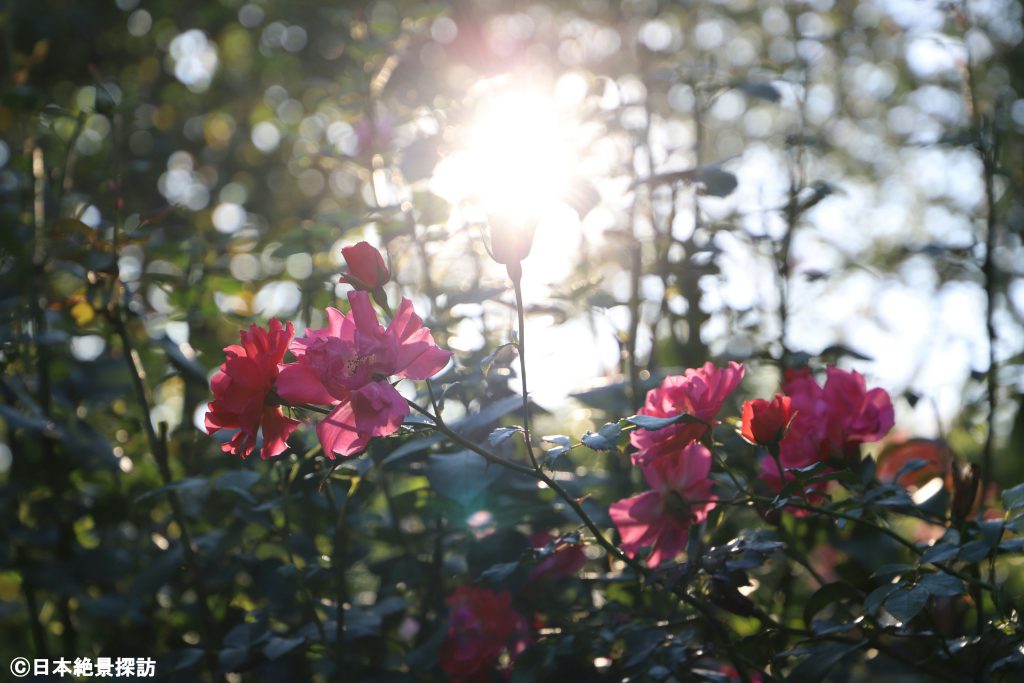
{"x":764,"y":422}
{"x":511,"y":239}
{"x":366,"y":268}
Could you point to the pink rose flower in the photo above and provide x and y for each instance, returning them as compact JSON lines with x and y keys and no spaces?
{"x":680,"y":497}
{"x":481,"y":625}
{"x":834,"y":420}
{"x":857,"y":415}
{"x":241,"y":388}
{"x":828,"y":424}
{"x":348,"y":364}
{"x":698,"y":392}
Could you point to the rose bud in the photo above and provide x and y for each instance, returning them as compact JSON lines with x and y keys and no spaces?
{"x":764,"y":422}
{"x":366,"y":268}
{"x":511,"y":240}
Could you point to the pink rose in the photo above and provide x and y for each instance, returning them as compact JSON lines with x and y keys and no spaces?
{"x":697,"y":392}
{"x":680,"y":497}
{"x":348,"y":365}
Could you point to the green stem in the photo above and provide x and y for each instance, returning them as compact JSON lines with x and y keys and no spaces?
{"x":517,"y":284}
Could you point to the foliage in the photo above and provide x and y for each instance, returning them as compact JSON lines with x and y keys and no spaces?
{"x":775,"y":184}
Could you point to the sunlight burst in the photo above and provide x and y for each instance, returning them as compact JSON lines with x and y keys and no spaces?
{"x":515,"y":158}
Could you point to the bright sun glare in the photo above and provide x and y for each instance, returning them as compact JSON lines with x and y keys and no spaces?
{"x":514,"y":158}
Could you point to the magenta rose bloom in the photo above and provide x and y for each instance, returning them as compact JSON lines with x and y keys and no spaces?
{"x":856,"y":414}
{"x":831,"y":422}
{"x":661,"y":518}
{"x":698,"y":392}
{"x":828,"y":425}
{"x":481,"y":625}
{"x":241,"y":388}
{"x":348,"y":365}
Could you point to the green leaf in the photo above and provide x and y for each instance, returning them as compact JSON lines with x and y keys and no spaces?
{"x":460,"y":476}
{"x":887,"y":571}
{"x":412,"y":447}
{"x":876,"y":597}
{"x":763,"y":91}
{"x":1013,"y":498}
{"x":814,"y":667}
{"x":564,"y":445}
{"x":502,"y":434}
{"x":906,"y":603}
{"x":940,"y":552}
{"x":941,"y":585}
{"x":975,"y":551}
{"x":606,"y":438}
{"x":823,"y":597}
{"x":276,"y":647}
{"x":499,"y":573}
{"x":711,"y":179}
{"x":188,"y":484}
{"x":652,"y":423}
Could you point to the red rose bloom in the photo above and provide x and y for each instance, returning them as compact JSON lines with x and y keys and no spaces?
{"x":241,"y":388}
{"x":765,"y":422}
{"x":366,"y":268}
{"x":565,"y":559}
{"x":481,"y":625}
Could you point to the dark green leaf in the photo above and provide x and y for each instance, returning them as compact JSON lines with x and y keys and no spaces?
{"x":876,"y":597}
{"x":764,"y":91}
{"x":941,"y":585}
{"x":276,"y":647}
{"x":814,"y":667}
{"x":940,"y":552}
{"x":460,"y":476}
{"x":828,"y":594}
{"x":906,"y":603}
{"x":975,"y":551}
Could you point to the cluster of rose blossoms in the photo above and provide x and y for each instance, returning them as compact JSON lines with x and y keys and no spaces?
{"x":349,"y":366}
{"x":805,"y":425}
